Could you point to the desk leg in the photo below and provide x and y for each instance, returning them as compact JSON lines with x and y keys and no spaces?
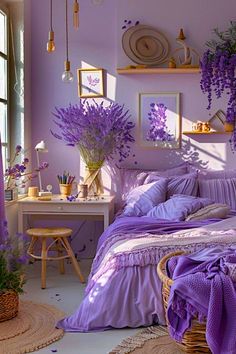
{"x":20,"y":220}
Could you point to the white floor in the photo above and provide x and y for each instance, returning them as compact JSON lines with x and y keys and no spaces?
{"x":66,"y":293}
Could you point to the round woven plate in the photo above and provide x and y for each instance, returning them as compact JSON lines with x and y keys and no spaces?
{"x":32,"y":329}
{"x":145,"y":45}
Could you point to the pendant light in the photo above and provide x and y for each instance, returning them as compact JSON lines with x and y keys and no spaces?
{"x":76,"y":14}
{"x":51,"y":44}
{"x":67,"y":75}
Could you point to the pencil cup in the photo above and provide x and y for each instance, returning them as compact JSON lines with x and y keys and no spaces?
{"x":65,"y":189}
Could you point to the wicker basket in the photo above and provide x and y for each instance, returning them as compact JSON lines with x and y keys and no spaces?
{"x":9,"y":303}
{"x":194,"y":340}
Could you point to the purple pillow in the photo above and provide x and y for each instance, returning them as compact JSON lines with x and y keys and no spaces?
{"x":185,"y":184}
{"x":143,"y":198}
{"x":131,"y":178}
{"x":219,"y":190}
{"x":178,"y":207}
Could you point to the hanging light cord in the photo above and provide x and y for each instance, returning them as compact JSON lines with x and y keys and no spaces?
{"x":67,"y":49}
{"x":51,"y":29}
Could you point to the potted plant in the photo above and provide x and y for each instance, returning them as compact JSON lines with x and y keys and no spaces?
{"x":12,"y":261}
{"x":100,"y":132}
{"x":218,"y":72}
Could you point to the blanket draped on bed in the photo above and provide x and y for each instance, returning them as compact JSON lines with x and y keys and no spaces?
{"x":123,"y":288}
{"x":203,"y":287}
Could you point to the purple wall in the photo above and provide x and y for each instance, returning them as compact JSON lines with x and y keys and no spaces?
{"x":98,"y":43}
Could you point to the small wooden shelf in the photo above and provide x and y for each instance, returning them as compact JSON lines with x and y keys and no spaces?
{"x":124,"y":71}
{"x":204,"y":133}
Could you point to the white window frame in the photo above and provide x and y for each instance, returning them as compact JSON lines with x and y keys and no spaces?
{"x":6,"y":144}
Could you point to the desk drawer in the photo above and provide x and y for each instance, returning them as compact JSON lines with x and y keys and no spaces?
{"x":61,"y":208}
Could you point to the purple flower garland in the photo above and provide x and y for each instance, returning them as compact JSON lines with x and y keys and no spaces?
{"x":218,"y":72}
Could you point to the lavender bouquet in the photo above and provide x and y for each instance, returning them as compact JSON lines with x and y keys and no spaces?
{"x":101,"y":133}
{"x":218,"y":66}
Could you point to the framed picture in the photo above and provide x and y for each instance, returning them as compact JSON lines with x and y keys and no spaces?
{"x":159,"y":120}
{"x":91,"y":83}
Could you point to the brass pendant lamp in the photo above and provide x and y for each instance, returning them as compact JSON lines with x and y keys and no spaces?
{"x":51,"y":44}
{"x":67,"y":75}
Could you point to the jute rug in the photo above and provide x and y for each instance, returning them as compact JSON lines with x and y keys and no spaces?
{"x":152,"y":340}
{"x":32,"y":329}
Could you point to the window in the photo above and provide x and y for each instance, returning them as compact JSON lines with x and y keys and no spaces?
{"x":4,"y":63}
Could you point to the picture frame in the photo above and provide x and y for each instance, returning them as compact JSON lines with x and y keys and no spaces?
{"x":90,"y":83}
{"x":160,"y":120}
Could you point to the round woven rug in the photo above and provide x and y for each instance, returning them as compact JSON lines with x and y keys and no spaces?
{"x":152,"y":340}
{"x":32,"y":329}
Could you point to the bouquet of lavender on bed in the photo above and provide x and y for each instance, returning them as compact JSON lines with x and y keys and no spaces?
{"x":102,"y":133}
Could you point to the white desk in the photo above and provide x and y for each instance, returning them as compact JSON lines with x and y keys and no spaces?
{"x":96,"y":207}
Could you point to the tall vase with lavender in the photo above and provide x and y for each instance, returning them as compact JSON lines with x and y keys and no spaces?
{"x":101,"y":133}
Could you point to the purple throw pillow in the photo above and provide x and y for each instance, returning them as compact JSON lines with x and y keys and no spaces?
{"x":178,"y":207}
{"x":219,"y":190}
{"x":185,"y":184}
{"x":143,"y":198}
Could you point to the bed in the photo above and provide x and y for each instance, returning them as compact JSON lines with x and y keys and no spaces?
{"x":123,"y":289}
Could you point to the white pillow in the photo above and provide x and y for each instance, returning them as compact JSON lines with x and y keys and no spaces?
{"x":143,"y":198}
{"x":212,"y":211}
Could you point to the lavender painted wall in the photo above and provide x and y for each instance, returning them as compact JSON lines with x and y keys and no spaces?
{"x":98,"y":43}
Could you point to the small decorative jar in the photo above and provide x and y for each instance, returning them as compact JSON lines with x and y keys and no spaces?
{"x":83,"y":190}
{"x":206,"y":127}
{"x":199,"y":126}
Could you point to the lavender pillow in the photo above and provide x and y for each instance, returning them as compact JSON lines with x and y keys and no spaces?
{"x":143,"y":198}
{"x":219,"y":190}
{"x":185,"y":184}
{"x":178,"y":207}
{"x":132,"y":178}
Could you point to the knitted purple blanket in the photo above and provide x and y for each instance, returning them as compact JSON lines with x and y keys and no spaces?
{"x":204,"y":287}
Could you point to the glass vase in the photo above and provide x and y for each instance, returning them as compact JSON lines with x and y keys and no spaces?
{"x":93,"y":179}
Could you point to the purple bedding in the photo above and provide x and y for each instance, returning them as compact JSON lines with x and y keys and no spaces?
{"x":129,"y":295}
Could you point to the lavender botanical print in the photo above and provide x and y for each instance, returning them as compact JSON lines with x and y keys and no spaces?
{"x":158,"y":129}
{"x":90,"y":83}
{"x":159,"y":120}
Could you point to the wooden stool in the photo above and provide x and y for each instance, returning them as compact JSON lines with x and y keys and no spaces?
{"x":59,"y":238}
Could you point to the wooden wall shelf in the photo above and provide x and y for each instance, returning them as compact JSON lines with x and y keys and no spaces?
{"x":204,"y":133}
{"x":124,"y":71}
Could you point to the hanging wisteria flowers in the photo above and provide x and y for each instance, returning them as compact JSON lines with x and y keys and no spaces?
{"x":218,"y":66}
{"x":158,"y":127}
{"x":101,"y":132}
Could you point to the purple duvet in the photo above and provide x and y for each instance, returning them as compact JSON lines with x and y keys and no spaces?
{"x":126,"y":291}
